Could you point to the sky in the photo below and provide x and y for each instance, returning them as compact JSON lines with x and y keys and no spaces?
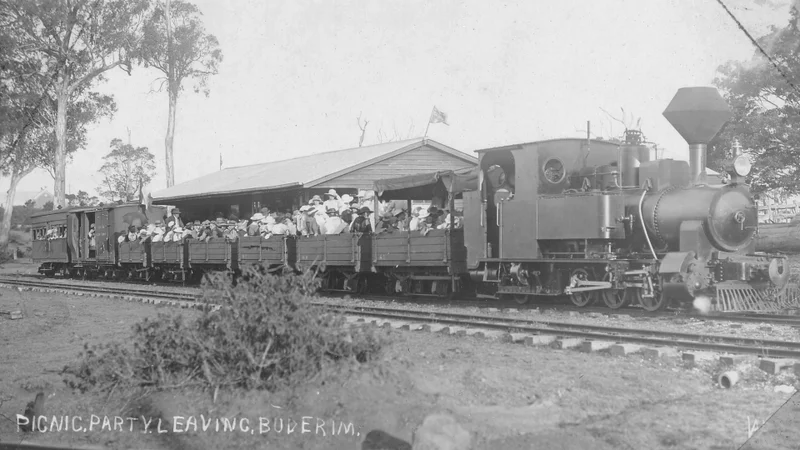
{"x":296,"y":75}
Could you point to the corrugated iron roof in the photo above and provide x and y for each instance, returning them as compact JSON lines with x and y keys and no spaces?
{"x":301,"y":171}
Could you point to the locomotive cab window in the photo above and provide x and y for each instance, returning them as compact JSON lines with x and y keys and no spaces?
{"x":554,"y":171}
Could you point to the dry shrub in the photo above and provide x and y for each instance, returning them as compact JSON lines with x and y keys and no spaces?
{"x":266,"y":334}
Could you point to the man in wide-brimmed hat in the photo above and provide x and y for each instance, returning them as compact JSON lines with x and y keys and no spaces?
{"x":253,"y":227}
{"x":401,"y":219}
{"x":386,"y":223}
{"x":176,"y":217}
{"x":361,"y":223}
{"x":311,"y":227}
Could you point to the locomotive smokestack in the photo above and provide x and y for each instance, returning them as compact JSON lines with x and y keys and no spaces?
{"x":698,"y":113}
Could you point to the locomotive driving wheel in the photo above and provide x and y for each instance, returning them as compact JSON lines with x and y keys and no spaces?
{"x":586,"y":298}
{"x":659,"y":300}
{"x":615,"y":298}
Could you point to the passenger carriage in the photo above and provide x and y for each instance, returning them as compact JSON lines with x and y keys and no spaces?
{"x":75,"y":252}
{"x":49,"y":243}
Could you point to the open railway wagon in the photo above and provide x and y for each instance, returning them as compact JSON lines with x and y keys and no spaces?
{"x":343,"y":260}
{"x":424,"y":264}
{"x":73,"y":252}
{"x":274,"y":253}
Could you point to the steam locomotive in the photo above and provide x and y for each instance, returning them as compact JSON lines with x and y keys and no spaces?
{"x":596,"y":220}
{"x":589,"y":219}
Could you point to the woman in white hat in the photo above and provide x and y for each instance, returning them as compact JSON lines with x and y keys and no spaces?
{"x":332,"y":201}
{"x":418,"y":221}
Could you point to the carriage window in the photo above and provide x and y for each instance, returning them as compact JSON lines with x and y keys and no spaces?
{"x":554,"y":171}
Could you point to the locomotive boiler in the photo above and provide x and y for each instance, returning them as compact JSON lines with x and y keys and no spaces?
{"x":596,"y":220}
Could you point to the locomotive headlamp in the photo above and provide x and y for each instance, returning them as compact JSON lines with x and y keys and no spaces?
{"x":742,"y":165}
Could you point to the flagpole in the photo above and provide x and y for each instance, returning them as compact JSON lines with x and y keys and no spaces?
{"x":429,"y":123}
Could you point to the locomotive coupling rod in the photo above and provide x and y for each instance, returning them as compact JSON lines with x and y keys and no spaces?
{"x":588,"y":286}
{"x":636,"y":272}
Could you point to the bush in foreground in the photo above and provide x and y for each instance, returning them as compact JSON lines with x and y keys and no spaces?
{"x":266,"y":334}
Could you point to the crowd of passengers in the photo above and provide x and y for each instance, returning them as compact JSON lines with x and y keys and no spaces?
{"x":50,"y":233}
{"x":336,"y":215}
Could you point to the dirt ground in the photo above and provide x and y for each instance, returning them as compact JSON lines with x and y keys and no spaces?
{"x":508,"y":396}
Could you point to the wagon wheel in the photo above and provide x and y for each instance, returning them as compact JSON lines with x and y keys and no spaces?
{"x":582,"y":299}
{"x":362,"y":286}
{"x":615,"y":298}
{"x":521,"y":299}
{"x":659,"y":301}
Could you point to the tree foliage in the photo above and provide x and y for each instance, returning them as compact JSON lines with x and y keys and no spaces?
{"x":192,"y":54}
{"x":82,"y":198}
{"x":766,"y":112}
{"x":75,"y":42}
{"x":127,"y":169}
{"x":176,"y":43}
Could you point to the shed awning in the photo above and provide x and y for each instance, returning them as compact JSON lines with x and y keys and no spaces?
{"x":422,"y":185}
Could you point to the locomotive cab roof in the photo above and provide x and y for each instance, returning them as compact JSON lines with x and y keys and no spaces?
{"x":522,"y":144}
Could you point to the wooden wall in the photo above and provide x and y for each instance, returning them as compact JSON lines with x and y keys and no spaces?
{"x":421,"y":160}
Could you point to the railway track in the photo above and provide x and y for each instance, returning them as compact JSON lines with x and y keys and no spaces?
{"x":549,"y":332}
{"x":157,"y":292}
{"x":552,"y":332}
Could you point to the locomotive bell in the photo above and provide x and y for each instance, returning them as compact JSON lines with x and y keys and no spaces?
{"x":697,"y":113}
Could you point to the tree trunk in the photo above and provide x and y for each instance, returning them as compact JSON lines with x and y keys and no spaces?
{"x":173,"y":106}
{"x":59,"y":190}
{"x":778,"y":237}
{"x":5,"y":225}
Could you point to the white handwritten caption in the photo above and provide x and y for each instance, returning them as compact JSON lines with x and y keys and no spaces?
{"x":183,"y":424}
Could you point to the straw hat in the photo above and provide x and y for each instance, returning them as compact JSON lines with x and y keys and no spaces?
{"x":423,"y":213}
{"x":399,"y":211}
{"x":365,"y":210}
{"x":332,"y":193}
{"x":315,"y":198}
{"x":304,"y":208}
{"x":347,"y":198}
{"x":257,"y":216}
{"x":332,"y":211}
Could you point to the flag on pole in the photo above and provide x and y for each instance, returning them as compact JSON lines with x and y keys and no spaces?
{"x":438,"y":117}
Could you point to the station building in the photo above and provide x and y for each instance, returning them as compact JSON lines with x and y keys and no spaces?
{"x":287,"y":184}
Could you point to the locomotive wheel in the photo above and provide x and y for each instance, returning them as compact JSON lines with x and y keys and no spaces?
{"x":659,"y":301}
{"x":521,"y":299}
{"x":582,"y":299}
{"x":620,"y":298}
{"x":615,"y":298}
